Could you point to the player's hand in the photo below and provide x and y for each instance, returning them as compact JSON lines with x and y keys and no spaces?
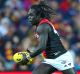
{"x":22,"y":58}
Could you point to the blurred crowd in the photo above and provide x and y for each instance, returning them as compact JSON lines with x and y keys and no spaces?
{"x":15,"y":29}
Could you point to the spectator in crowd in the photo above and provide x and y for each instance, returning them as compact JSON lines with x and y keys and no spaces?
{"x":2,"y":64}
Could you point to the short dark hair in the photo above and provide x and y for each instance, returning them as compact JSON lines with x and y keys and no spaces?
{"x":43,"y":10}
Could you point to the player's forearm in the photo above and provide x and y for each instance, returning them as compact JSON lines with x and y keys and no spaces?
{"x":37,"y":52}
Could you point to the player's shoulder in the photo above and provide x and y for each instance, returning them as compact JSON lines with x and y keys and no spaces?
{"x":44,"y":27}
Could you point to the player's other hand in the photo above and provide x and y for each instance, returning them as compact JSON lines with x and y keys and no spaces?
{"x":22,"y":58}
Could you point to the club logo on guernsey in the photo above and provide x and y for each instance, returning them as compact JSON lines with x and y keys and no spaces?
{"x":56,"y":53}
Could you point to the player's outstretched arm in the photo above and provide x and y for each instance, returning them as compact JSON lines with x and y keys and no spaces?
{"x":42,"y":32}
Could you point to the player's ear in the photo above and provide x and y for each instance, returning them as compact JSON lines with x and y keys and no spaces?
{"x":42,"y":3}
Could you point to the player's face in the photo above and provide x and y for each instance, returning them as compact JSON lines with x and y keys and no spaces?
{"x":32,"y":16}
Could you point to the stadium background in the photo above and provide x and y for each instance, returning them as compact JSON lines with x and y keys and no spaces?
{"x":14,"y":22}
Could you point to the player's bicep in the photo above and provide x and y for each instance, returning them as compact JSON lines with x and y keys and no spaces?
{"x":43,"y":40}
{"x":43,"y":36}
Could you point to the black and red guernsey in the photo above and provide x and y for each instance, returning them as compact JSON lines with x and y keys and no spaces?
{"x":49,"y":40}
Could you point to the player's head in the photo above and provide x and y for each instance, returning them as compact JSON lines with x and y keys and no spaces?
{"x":38,"y":12}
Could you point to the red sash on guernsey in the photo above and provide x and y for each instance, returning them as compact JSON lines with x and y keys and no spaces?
{"x":47,"y":22}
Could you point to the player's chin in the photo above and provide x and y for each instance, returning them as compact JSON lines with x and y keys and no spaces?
{"x":33,"y":22}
